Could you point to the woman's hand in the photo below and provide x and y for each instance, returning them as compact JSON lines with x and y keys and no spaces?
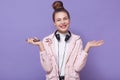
{"x":36,"y":41}
{"x":93,"y":44}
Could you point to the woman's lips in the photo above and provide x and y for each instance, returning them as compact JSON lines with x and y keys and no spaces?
{"x":63,"y":26}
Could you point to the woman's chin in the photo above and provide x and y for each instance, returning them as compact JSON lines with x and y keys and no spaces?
{"x":63,"y":31}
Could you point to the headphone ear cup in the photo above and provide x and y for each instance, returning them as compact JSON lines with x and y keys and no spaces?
{"x":57,"y":37}
{"x":67,"y":38}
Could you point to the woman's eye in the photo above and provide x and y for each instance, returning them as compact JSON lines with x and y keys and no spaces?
{"x":58,"y":20}
{"x":65,"y":18}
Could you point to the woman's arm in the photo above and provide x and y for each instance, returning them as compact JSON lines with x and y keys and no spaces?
{"x":93,"y":44}
{"x":83,"y":54}
{"x":44,"y":57}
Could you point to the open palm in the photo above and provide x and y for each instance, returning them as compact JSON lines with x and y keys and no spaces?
{"x":34,"y":41}
{"x":95,"y":43}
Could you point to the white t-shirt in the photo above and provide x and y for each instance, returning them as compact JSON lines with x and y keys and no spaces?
{"x":61,"y":49}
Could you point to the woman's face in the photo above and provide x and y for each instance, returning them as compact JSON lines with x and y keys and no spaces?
{"x":62,"y":22}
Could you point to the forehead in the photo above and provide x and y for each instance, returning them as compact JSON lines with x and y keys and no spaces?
{"x":61,"y":14}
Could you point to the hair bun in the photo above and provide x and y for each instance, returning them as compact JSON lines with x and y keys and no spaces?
{"x":58,"y":5}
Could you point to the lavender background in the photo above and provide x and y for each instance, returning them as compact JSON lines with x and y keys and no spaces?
{"x":92,"y":19}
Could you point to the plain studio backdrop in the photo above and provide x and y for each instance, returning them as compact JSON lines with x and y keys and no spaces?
{"x":91,"y":19}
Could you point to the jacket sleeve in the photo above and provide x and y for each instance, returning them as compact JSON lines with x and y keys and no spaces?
{"x":81,"y":57}
{"x":45,"y":59}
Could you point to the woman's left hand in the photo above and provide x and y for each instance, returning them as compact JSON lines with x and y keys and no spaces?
{"x":93,"y":43}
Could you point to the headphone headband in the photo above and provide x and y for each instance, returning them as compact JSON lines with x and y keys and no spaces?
{"x":66,"y":38}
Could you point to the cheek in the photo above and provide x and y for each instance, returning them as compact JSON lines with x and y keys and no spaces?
{"x":57,"y":23}
{"x":68,"y":21}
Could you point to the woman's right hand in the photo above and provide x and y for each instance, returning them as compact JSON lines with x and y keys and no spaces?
{"x":34,"y":41}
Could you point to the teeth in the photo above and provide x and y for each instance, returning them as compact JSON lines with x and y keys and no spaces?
{"x":63,"y":26}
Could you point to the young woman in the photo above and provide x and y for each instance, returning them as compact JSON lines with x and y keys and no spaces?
{"x":61,"y":53}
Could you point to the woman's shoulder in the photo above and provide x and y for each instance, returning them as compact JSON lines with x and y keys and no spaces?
{"x":75,"y":35}
{"x":50,"y":36}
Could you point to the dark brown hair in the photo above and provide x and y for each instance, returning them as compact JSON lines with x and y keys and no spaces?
{"x":58,"y":7}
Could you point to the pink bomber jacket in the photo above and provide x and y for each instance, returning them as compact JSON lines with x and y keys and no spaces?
{"x":75,"y":59}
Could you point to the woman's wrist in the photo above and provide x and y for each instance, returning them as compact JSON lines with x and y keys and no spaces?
{"x":87,"y":47}
{"x":41,"y":47}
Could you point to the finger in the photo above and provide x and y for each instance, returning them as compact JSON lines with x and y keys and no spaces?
{"x":28,"y":39}
{"x":101,"y":41}
{"x":35,"y":38}
{"x":93,"y":41}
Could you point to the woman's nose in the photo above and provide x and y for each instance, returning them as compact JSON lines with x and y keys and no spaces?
{"x":63,"y":22}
